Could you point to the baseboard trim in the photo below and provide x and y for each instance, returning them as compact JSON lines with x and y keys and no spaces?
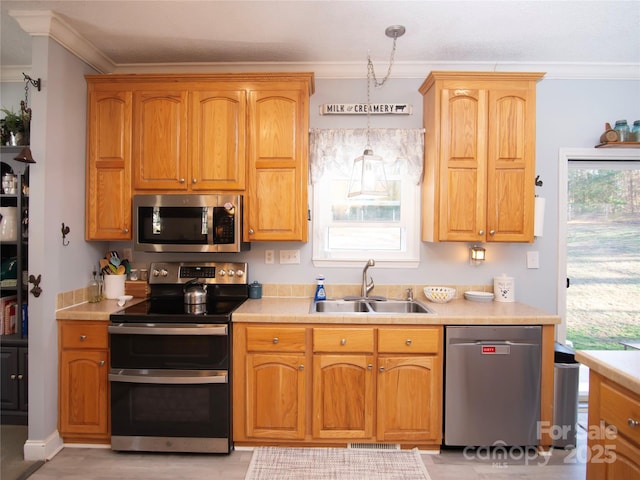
{"x":43,"y":449}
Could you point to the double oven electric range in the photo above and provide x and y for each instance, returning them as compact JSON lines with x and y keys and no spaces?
{"x":171,"y":363}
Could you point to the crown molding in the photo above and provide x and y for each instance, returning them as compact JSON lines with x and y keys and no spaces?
{"x":45,"y":23}
{"x":13,"y":73}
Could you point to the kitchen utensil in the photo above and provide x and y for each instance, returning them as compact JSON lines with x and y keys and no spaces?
{"x":439,"y":294}
{"x":124,"y":299}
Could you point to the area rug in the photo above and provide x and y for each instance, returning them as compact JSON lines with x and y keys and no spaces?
{"x":270,"y":463}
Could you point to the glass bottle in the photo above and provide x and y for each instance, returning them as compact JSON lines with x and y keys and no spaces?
{"x":94,"y":290}
{"x":623,"y":130}
{"x":635,"y":131}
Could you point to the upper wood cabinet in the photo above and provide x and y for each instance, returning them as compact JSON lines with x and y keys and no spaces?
{"x":200,"y":133}
{"x":479,"y":180}
{"x":277,"y":207}
{"x":108,"y":177}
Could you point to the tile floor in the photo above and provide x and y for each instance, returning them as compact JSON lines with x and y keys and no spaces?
{"x":450,"y":464}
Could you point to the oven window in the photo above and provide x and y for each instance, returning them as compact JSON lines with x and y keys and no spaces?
{"x":185,"y":352}
{"x":173,"y":225}
{"x":158,"y":410}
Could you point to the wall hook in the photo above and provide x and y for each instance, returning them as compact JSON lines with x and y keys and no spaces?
{"x":538,"y":181}
{"x":36,"y":83}
{"x":65,"y":231}
{"x":36,"y":290}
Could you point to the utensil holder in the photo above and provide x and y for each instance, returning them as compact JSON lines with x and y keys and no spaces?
{"x":114,"y":286}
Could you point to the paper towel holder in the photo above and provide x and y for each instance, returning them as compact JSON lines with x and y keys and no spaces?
{"x":477,"y":255}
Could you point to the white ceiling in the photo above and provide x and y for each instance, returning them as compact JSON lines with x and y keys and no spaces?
{"x":134,"y":35}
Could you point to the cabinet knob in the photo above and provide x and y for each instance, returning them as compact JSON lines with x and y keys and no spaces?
{"x":343,"y":341}
{"x":301,"y":367}
{"x":13,"y":377}
{"x":481,"y":232}
{"x":382,"y":369}
{"x":181,"y":180}
{"x":193,"y":180}
{"x":370,"y":366}
{"x":492,"y":232}
{"x":276,"y":339}
{"x":101,"y":363}
{"x":83,"y":338}
{"x":408,"y":342}
{"x":633,"y":423}
{"x":251,"y":231}
{"x":125,"y":230}
{"x":20,"y":377}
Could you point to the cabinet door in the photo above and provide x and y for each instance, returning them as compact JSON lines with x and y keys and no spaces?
{"x":343,"y":396}
{"x":276,"y":207}
{"x":463,"y":165}
{"x":160,"y":140}
{"x":275,"y":401}
{"x":409,"y":391}
{"x":9,"y":378}
{"x":218,"y":125}
{"x":84,"y":392}
{"x":109,"y":166}
{"x":23,"y":379}
{"x":510,"y":166}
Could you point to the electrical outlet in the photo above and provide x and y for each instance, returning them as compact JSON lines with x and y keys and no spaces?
{"x":533,"y":260}
{"x":269,"y":257}
{"x":289,"y":257}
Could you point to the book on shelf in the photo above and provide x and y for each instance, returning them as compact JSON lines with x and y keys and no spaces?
{"x":8,"y":315}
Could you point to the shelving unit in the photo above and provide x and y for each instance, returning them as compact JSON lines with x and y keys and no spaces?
{"x":14,"y":347}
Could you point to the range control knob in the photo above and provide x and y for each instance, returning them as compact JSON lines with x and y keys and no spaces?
{"x":163,"y":273}
{"x":222,"y":272}
{"x":232,"y":272}
{"x":239,"y":273}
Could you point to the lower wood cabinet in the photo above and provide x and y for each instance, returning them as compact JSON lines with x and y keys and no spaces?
{"x":614,"y":431}
{"x":83,"y":381}
{"x":365,"y":384}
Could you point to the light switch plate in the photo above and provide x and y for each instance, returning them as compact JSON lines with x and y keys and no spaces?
{"x":533,"y":259}
{"x":289,"y":257}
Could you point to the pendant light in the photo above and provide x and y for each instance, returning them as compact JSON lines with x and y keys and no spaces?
{"x":368,"y":179}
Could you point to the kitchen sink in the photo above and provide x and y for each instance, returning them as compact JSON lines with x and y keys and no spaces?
{"x":370,"y":307}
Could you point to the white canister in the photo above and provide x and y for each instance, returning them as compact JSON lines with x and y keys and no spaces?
{"x":504,"y":289}
{"x":8,"y":224}
{"x":114,"y":286}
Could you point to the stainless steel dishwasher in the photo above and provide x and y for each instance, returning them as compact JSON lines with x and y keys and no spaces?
{"x":492,"y":385}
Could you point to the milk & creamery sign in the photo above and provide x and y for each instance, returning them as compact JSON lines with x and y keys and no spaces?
{"x":361,"y":109}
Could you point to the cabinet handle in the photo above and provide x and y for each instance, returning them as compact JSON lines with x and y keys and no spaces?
{"x":301,"y":367}
{"x":276,"y":339}
{"x":382,"y":369}
{"x":181,"y":180}
{"x":343,"y":341}
{"x":83,"y":338}
{"x":13,"y":377}
{"x":633,"y":423}
{"x":408,"y":342}
{"x":481,"y":232}
{"x":492,"y":232}
{"x":251,"y":231}
{"x":101,"y":363}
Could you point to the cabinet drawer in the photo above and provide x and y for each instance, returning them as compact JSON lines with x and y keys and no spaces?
{"x":276,"y":339}
{"x":409,"y":340}
{"x":343,"y":340}
{"x":83,"y":335}
{"x":619,"y":409}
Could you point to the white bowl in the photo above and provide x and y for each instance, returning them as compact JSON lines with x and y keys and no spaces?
{"x":439,"y":294}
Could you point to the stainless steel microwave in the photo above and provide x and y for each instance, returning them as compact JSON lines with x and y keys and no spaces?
{"x":188,"y":223}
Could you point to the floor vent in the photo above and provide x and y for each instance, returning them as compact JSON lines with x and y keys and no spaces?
{"x":374,"y":446}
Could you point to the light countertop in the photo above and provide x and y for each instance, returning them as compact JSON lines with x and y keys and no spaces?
{"x":459,"y":311}
{"x":620,"y":366}
{"x":296,"y":310}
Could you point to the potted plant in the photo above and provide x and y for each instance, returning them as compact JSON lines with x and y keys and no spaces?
{"x":14,"y":127}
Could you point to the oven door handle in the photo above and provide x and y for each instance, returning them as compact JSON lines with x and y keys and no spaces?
{"x":168,"y":377}
{"x":166,"y":329}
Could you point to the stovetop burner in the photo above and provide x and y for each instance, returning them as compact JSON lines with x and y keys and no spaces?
{"x":226,"y":290}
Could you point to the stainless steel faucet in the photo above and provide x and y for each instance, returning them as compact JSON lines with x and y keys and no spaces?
{"x":367,"y":287}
